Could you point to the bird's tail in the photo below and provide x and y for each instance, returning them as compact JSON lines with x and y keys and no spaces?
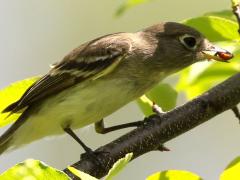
{"x":6,"y":139}
{"x":5,"y":144}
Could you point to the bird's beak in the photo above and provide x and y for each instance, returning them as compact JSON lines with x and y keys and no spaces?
{"x":216,"y":53}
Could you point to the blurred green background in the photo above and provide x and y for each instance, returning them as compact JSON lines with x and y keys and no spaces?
{"x":34,"y":34}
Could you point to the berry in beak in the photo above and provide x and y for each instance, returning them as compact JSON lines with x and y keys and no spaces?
{"x":218,"y":54}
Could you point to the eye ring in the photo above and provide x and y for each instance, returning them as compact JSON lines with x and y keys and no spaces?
{"x":188,"y":41}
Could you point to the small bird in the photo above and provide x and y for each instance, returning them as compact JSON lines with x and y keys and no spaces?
{"x":101,"y":76}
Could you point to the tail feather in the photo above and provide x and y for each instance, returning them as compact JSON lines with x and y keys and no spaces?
{"x":11,"y":107}
{"x":7,"y":136}
{"x":5,"y":143}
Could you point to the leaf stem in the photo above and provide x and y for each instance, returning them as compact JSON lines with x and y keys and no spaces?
{"x":236,"y":11}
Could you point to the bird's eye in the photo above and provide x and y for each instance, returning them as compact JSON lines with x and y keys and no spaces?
{"x":188,"y":41}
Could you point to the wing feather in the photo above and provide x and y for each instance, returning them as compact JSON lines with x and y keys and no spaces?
{"x":90,"y":61}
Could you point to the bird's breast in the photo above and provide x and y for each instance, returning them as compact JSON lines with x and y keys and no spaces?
{"x":78,"y":106}
{"x":86,"y":103}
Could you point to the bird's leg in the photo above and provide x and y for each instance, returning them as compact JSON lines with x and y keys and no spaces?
{"x":89,"y":153}
{"x":69,"y":131}
{"x":101,"y":129}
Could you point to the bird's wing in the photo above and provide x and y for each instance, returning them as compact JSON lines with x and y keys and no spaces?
{"x":90,"y":61}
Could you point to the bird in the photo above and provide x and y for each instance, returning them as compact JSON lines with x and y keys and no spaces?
{"x":102,"y":75}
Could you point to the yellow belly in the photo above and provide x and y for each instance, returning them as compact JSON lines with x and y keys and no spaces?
{"x":77,"y":107}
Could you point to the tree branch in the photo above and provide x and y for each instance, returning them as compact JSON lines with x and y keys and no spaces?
{"x":157,"y":131}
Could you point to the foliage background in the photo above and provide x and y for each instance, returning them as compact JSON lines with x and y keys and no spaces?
{"x":36,"y":33}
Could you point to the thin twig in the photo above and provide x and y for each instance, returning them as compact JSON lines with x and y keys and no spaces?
{"x":236,"y":112}
{"x":236,"y":12}
{"x":156,"y":131}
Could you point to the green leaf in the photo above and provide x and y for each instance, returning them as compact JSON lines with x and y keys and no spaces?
{"x":227,"y":14}
{"x":232,"y":171}
{"x":118,"y":166}
{"x":196,"y":85}
{"x":81,"y":175}
{"x":11,"y":94}
{"x":174,"y":175}
{"x":163,"y":95}
{"x":33,"y":170}
{"x":235,"y":2}
{"x":145,"y":104}
{"x":215,"y":28}
{"x":129,"y":4}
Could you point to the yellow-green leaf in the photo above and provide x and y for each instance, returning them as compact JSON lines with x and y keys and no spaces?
{"x":235,"y":2}
{"x":174,"y":175}
{"x":33,"y":170}
{"x":228,"y":14}
{"x":11,"y":94}
{"x":232,"y":171}
{"x":81,"y":175}
{"x":145,"y":104}
{"x":118,"y":166}
{"x":215,"y":28}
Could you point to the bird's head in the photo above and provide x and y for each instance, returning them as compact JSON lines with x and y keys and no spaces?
{"x":179,"y":46}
